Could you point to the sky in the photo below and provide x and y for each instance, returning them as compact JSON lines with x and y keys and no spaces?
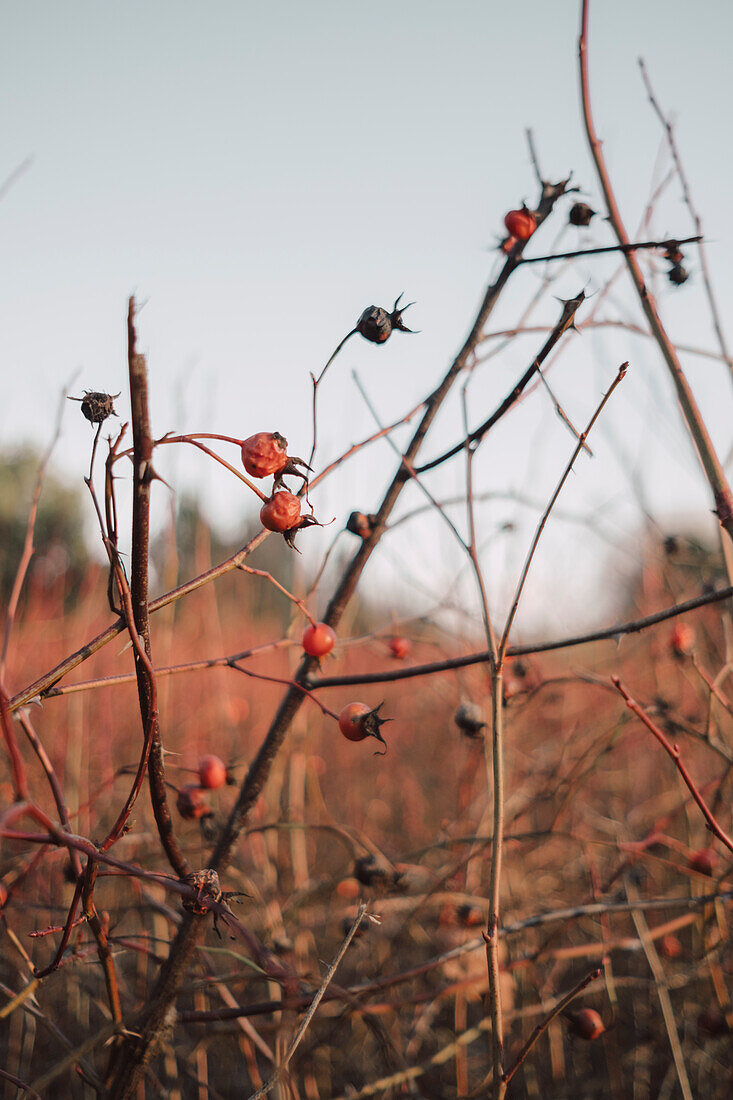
{"x":256,"y":174}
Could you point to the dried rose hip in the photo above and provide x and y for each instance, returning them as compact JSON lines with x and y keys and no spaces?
{"x":377,"y":325}
{"x":265,"y":453}
{"x":581,"y":214}
{"x":191,"y":802}
{"x":281,"y":512}
{"x":96,"y":406}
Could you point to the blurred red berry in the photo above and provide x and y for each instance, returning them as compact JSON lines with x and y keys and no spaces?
{"x":703,"y":861}
{"x":212,"y":772}
{"x":670,"y":947}
{"x":191,"y":802}
{"x":520,"y":223}
{"x":399,"y":647}
{"x":682,"y":639}
{"x":586,"y":1024}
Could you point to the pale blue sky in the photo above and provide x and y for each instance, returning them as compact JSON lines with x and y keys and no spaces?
{"x":258,"y":173}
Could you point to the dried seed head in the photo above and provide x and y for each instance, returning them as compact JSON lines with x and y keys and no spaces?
{"x":580,"y":214}
{"x":377,"y":325}
{"x":469,"y":718}
{"x":360,"y":524}
{"x":678,"y":274}
{"x":95,"y":406}
{"x":208,"y":890}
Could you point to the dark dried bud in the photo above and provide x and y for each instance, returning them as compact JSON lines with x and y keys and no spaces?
{"x":673,"y":254}
{"x":369,"y":872}
{"x":360,"y":524}
{"x":678,"y":275}
{"x":469,"y":718}
{"x":376,"y":324}
{"x":208,"y":890}
{"x":96,"y":407}
{"x":581,"y":214}
{"x":346,"y":924}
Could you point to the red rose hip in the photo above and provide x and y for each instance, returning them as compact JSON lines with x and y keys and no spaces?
{"x":318,"y":639}
{"x":212,"y":772}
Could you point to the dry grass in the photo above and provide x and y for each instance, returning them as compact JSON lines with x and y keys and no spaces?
{"x":586,"y":783}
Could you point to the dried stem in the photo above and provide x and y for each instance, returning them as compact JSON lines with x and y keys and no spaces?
{"x":542,"y":1027}
{"x":706,"y":451}
{"x":541,"y":526}
{"x":565,"y":322}
{"x":674,"y":752}
{"x":143,"y":475}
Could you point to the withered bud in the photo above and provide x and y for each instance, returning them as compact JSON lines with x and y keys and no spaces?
{"x":369,"y":872}
{"x":208,"y":890}
{"x":678,"y":275}
{"x":95,"y":406}
{"x":469,"y":718}
{"x":361,"y":524}
{"x":673,"y":254}
{"x":376,"y":324}
{"x":581,"y":214}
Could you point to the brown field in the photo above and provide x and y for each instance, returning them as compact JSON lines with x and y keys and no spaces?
{"x":595,"y":812}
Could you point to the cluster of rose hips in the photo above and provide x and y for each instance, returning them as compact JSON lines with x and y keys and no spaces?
{"x":265,"y":454}
{"x":191,"y":802}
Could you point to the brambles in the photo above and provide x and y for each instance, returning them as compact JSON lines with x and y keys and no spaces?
{"x":704,"y":861}
{"x":520,"y":223}
{"x":399,"y":647}
{"x":212,"y":772}
{"x":318,"y":640}
{"x":357,"y":722}
{"x":191,"y":803}
{"x":581,"y":214}
{"x":97,"y":406}
{"x":377,"y":325}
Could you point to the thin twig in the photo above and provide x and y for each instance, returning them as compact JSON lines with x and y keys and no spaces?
{"x":541,"y":1027}
{"x":312,"y":1010}
{"x":696,"y":425}
{"x":674,"y":752}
